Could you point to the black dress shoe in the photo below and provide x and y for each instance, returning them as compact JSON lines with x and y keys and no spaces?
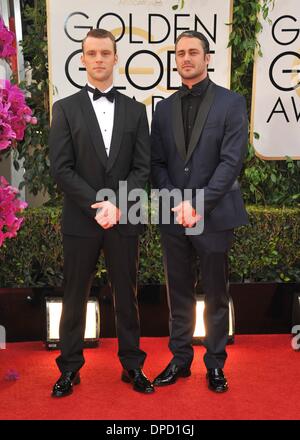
{"x":140,"y":382}
{"x":216,"y":380}
{"x":171,"y":374}
{"x":64,"y":385}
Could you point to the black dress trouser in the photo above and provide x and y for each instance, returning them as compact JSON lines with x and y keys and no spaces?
{"x":80,"y":258}
{"x":179,"y":254}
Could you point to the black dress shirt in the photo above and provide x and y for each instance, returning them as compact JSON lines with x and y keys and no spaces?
{"x":190,"y":101}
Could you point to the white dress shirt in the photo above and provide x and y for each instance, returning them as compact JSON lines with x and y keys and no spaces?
{"x":104,"y":110}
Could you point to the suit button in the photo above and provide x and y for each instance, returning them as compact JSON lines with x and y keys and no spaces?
{"x":186,"y":169}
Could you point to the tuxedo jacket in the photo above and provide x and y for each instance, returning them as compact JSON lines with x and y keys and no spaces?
{"x":79,"y":163}
{"x":211,"y":162}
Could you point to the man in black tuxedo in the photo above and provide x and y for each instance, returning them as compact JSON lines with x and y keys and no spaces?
{"x":98,"y":138}
{"x":199,"y":141}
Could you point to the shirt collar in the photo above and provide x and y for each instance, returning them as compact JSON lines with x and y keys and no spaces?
{"x":198,"y":88}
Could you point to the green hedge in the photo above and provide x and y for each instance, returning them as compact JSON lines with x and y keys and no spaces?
{"x":266,"y":250}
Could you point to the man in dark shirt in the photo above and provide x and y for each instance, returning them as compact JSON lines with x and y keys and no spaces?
{"x":199,"y":140}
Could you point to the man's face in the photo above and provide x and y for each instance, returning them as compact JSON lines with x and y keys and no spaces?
{"x":99,"y":59}
{"x":190,"y":59}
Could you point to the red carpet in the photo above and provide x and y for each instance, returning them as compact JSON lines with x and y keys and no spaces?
{"x":262,"y":371}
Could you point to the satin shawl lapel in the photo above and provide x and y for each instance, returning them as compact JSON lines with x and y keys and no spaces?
{"x":91,"y":121}
{"x":118,"y":129}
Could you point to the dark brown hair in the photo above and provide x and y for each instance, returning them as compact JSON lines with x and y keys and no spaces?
{"x":100,"y":33}
{"x":195,"y":34}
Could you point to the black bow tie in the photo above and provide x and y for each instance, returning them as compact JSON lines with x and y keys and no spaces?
{"x":184,"y":91}
{"x":197,"y":89}
{"x":98,"y":94}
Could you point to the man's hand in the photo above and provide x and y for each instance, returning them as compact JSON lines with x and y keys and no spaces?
{"x":186,"y":214}
{"x":108,"y":216}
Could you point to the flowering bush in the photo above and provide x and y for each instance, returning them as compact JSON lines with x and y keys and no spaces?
{"x":14,"y":114}
{"x":9,"y":206}
{"x":6,"y":41}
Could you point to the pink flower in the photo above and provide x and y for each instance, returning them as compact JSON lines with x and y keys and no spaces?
{"x":6,"y":41}
{"x":18,"y":126}
{"x":14,"y":113}
{"x":6,"y":134}
{"x":27,"y":119}
{"x":10,"y":205}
